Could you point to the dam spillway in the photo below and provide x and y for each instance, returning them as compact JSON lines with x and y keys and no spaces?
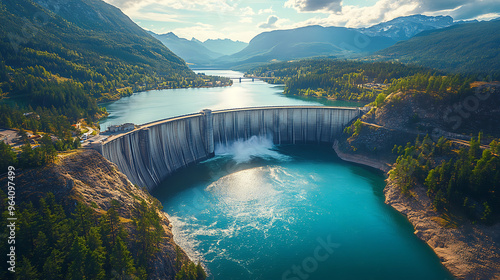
{"x":149,"y":154}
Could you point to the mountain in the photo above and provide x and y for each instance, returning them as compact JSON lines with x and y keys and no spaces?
{"x":60,"y":58}
{"x":224,"y":46}
{"x":192,"y":51}
{"x":403,"y":28}
{"x":304,"y":42}
{"x":93,"y":25}
{"x":466,"y":48}
{"x":79,"y":37}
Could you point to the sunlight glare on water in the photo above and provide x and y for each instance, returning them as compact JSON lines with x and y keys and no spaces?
{"x":254,"y":215}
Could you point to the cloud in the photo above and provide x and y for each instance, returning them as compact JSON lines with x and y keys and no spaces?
{"x":247,"y":11}
{"x":315,"y":5}
{"x":477,"y":9}
{"x":266,"y":11}
{"x":385,"y":10}
{"x":191,"y":5}
{"x":271,"y":22}
{"x":246,"y":20}
{"x":354,"y":16}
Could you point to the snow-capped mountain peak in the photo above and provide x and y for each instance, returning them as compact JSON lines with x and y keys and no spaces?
{"x":403,"y":28}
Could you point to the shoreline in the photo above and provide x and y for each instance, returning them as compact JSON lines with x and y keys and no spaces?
{"x":467,"y":251}
{"x":151,"y":89}
{"x":363,"y":160}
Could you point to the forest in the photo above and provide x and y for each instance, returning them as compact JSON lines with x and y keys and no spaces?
{"x":462,"y":180}
{"x":60,"y":67}
{"x":54,"y":243}
{"x":337,"y":79}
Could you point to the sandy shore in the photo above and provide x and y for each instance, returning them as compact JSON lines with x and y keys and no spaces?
{"x":468,"y":251}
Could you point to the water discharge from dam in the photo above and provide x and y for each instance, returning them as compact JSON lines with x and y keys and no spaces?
{"x":257,"y":210}
{"x":260,"y":211}
{"x":149,"y":154}
{"x":243,"y":151}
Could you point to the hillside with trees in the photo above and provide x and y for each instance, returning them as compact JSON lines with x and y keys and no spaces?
{"x":469,"y":48}
{"x":417,"y":127}
{"x":336,"y":79}
{"x":59,"y":61}
{"x":85,"y":220}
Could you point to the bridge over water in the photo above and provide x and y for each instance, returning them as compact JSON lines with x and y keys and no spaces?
{"x":149,"y":154}
{"x":251,"y":78}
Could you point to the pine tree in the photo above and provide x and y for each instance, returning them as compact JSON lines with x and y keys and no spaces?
{"x":52,"y":269}
{"x":149,"y":232}
{"x":96,"y":256}
{"x":200,"y":272}
{"x":121,"y":260}
{"x":26,"y":271}
{"x":77,"y":258}
{"x":7,"y":157}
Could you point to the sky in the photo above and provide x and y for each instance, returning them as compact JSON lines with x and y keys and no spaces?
{"x":243,"y":19}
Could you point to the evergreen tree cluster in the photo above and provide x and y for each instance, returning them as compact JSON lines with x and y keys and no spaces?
{"x":59,"y":63}
{"x":343,"y":80}
{"x":42,"y":154}
{"x":445,"y":88}
{"x":467,"y":180}
{"x":52,"y":243}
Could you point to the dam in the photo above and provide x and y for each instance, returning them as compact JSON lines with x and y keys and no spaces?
{"x":154,"y":151}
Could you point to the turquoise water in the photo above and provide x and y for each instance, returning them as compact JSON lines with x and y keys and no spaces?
{"x":155,"y":105}
{"x":292,"y":212}
{"x":256,"y":211}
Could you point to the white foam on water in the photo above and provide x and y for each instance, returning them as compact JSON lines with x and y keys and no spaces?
{"x":256,"y":146}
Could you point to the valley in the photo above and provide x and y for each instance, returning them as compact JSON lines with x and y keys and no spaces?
{"x":248,"y":193}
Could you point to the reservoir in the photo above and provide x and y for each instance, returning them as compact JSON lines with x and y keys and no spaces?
{"x":155,"y":105}
{"x":259,"y":211}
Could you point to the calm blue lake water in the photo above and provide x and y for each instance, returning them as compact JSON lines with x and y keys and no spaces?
{"x":155,"y":105}
{"x":257,"y":211}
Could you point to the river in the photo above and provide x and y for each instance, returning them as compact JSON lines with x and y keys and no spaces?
{"x":258,"y":211}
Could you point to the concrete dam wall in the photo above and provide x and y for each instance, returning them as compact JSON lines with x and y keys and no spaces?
{"x":149,"y":154}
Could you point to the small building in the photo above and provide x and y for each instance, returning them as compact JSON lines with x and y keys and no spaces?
{"x":123,"y":127}
{"x":128,"y":126}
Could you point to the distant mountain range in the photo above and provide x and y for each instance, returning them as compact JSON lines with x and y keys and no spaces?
{"x":192,"y":51}
{"x":224,"y":46}
{"x":465,"y":48}
{"x":195,"y":52}
{"x":310,"y":41}
{"x":403,"y":28}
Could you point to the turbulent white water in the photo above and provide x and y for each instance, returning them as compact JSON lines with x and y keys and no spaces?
{"x":244,"y":150}
{"x":260,"y":218}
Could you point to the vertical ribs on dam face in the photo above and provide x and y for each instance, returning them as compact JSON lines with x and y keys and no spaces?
{"x":149,"y":154}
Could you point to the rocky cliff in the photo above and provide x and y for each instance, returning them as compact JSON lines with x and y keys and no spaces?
{"x":466,"y":249}
{"x":86,"y":176}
